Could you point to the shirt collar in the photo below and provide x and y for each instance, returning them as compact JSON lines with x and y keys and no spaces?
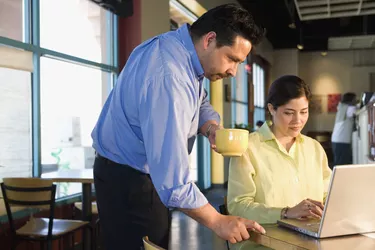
{"x":267,"y":135}
{"x":189,"y":45}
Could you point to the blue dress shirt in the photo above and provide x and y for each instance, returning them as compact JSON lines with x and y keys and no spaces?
{"x":152,"y":115}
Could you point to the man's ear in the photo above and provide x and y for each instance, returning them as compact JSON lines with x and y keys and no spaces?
{"x":208,"y":39}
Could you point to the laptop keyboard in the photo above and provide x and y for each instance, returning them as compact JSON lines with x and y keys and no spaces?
{"x":314,"y":226}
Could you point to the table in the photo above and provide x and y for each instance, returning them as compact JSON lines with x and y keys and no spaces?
{"x":86,"y":177}
{"x":281,"y":238}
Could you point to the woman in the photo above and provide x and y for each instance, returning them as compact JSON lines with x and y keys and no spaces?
{"x":343,"y":129}
{"x":283,"y":174}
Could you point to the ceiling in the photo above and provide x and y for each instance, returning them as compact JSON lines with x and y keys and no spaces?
{"x":318,"y":25}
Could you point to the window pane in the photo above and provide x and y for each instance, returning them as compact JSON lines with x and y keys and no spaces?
{"x":78,"y":28}
{"x":239,"y":83}
{"x":71,"y":100}
{"x":11,"y":19}
{"x":241,"y":113}
{"x":259,"y":115}
{"x":15,"y":123}
{"x":255,"y":80}
{"x":258,"y":82}
{"x":193,"y":163}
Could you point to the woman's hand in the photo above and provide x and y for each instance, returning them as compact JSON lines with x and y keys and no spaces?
{"x":306,"y":208}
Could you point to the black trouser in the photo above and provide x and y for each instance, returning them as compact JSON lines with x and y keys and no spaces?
{"x":129,"y":207}
{"x":342,"y":153}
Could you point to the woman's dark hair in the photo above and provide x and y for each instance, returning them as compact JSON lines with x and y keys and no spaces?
{"x":348,"y":98}
{"x":227,"y":21}
{"x":286,"y":88}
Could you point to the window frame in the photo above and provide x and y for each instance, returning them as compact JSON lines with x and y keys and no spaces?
{"x":266,"y":67}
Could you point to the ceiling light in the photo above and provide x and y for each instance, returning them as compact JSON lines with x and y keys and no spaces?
{"x":183,"y":10}
{"x":300,"y":46}
{"x":292,"y":25}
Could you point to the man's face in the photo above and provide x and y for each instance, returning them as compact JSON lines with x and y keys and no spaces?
{"x":222,"y":62}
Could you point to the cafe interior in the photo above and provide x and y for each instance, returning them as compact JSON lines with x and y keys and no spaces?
{"x":59,"y":60}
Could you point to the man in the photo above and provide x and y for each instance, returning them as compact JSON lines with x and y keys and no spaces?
{"x":342,"y":131}
{"x":149,"y":123}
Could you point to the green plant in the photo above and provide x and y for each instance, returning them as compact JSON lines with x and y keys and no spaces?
{"x":61,"y":165}
{"x":244,"y":126}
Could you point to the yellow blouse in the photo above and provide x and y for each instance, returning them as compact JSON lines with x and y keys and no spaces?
{"x":267,"y":177}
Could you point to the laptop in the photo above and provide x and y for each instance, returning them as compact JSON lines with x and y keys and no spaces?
{"x":349,"y":207}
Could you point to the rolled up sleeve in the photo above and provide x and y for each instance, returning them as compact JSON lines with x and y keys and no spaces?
{"x":206,"y":111}
{"x":166,"y":109}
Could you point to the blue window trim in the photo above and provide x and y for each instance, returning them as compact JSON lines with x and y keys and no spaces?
{"x":35,"y":91}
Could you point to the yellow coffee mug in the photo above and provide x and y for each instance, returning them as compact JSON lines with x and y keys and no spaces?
{"x":231,"y":142}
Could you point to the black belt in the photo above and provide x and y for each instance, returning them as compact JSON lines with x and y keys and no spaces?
{"x":106,"y":159}
{"x":98,"y":156}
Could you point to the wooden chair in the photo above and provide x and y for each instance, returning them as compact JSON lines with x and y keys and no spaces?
{"x":148,"y":245}
{"x":36,"y":193}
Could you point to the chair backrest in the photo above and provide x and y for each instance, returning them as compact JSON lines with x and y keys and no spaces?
{"x":223,"y":207}
{"x":148,"y":245}
{"x":29,"y":193}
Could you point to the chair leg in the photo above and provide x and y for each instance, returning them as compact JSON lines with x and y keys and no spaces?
{"x":14,"y":244}
{"x":73,"y":240}
{"x":61,"y":245}
{"x":49,"y":245}
{"x":41,"y":245}
{"x":92,"y":240}
{"x":97,"y":234}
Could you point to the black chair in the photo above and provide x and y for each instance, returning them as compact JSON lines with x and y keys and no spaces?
{"x":36,"y":193}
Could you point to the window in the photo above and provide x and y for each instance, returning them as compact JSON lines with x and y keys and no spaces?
{"x":71,"y":101}
{"x":12,"y":19}
{"x":78,"y":28}
{"x":46,"y":117}
{"x":240,"y":97}
{"x":179,"y":16}
{"x":198,"y":159}
{"x":259,"y":95}
{"x":15,"y":123}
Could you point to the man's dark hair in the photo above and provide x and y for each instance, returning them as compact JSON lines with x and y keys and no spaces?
{"x":286,"y":88}
{"x":227,"y":21}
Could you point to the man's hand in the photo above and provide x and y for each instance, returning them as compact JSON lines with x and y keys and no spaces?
{"x":231,"y":228}
{"x":212,"y":137}
{"x":235,"y":229}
